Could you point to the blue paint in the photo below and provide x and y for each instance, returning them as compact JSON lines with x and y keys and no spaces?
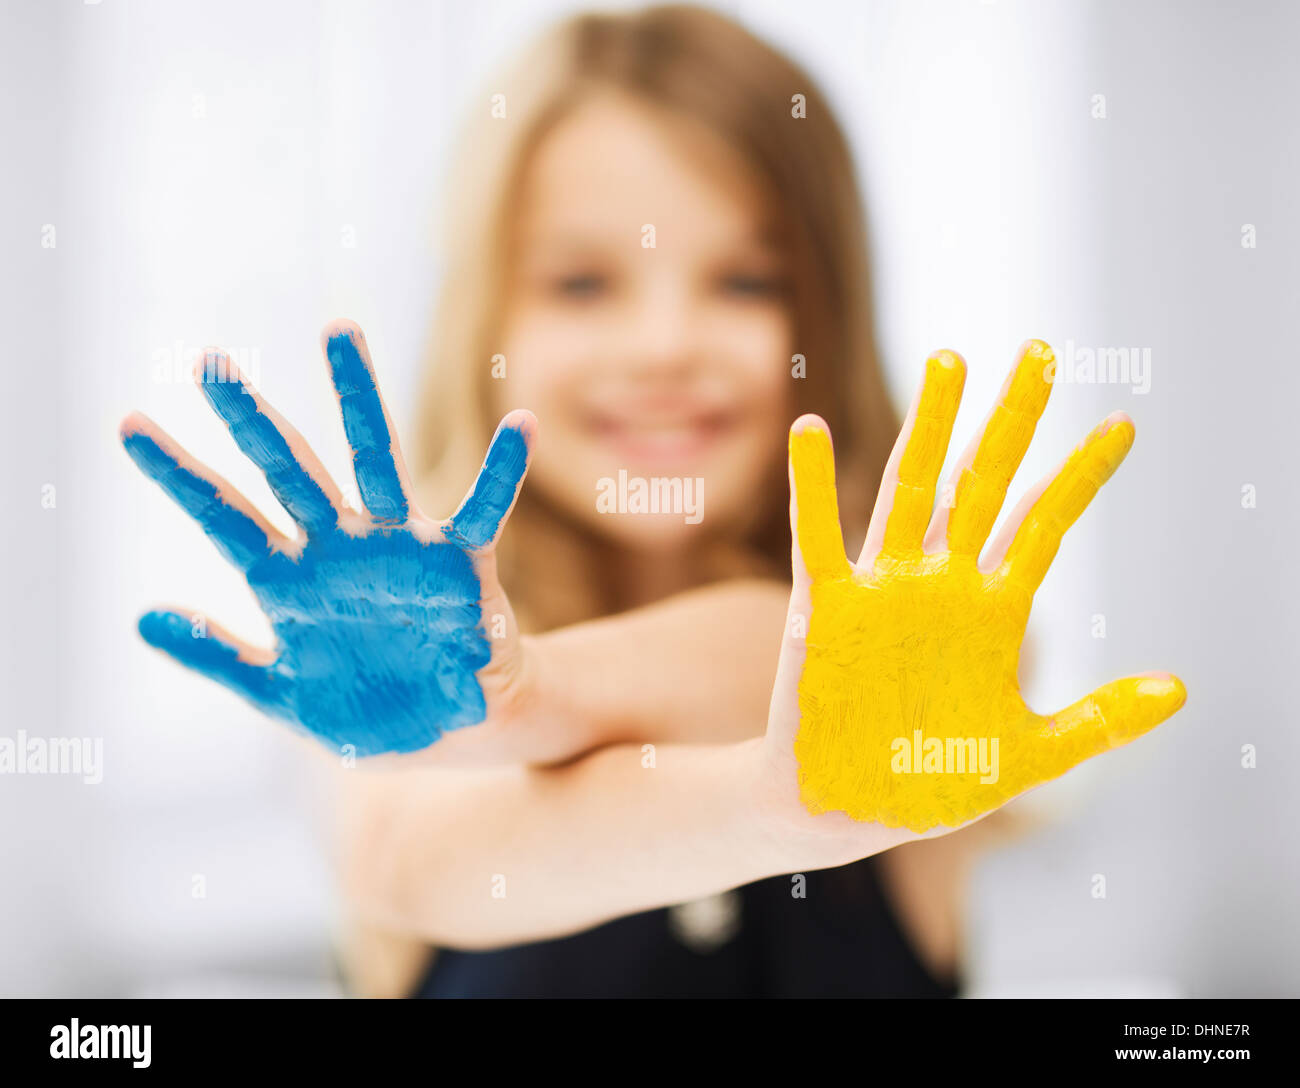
{"x":239,"y":538}
{"x":378,"y":637}
{"x":214,"y":658}
{"x":477,"y":521}
{"x":367,"y":430}
{"x":266,"y":447}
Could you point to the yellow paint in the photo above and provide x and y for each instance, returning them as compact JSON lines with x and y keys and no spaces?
{"x":918,"y":471}
{"x":924,"y":647}
{"x":983,"y":484}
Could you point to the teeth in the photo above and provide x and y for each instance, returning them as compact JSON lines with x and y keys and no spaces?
{"x":675,"y":428}
{"x":668,"y":433}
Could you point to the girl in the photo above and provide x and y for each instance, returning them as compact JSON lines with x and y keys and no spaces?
{"x":665,"y":262}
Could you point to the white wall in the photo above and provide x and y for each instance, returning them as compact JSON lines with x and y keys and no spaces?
{"x":201,"y":163}
{"x":1200,"y":855}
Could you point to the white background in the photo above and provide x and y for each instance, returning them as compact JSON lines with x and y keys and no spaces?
{"x":200,"y":163}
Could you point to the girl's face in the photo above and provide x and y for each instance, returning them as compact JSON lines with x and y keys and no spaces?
{"x":647,"y":325}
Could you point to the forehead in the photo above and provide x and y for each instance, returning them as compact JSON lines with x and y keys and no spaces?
{"x":613,"y":164}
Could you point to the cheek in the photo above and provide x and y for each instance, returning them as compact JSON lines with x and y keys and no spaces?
{"x":539,"y":360}
{"x":547,"y":366}
{"x":751,"y":351}
{"x":758,"y":348}
{"x":756,"y":338}
{"x":757,"y":344}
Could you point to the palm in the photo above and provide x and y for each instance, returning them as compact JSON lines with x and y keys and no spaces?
{"x":910,"y":712}
{"x":944,"y":646}
{"x":378,"y":617}
{"x":415,"y":646}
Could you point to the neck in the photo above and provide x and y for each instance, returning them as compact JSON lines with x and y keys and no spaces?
{"x":642,"y":578}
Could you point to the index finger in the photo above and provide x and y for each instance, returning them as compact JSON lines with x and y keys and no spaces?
{"x":478,"y":521}
{"x":982,"y":485}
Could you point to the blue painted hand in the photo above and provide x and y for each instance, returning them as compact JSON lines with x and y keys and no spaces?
{"x":381,"y":617}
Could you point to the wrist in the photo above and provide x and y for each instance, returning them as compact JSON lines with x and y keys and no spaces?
{"x":574,"y":691}
{"x":825,"y":840}
{"x":560,"y":700}
{"x":783,"y":837}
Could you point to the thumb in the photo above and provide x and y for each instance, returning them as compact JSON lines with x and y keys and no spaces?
{"x":1115,"y":714}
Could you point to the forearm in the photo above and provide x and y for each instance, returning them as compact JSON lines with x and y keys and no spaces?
{"x":696,"y":668}
{"x":501,"y":856}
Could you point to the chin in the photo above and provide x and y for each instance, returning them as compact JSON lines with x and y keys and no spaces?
{"x":650,"y":534}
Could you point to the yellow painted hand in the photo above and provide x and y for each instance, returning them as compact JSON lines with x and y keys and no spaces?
{"x":910,"y":713}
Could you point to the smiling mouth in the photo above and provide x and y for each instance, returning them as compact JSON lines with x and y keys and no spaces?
{"x":662,"y":442}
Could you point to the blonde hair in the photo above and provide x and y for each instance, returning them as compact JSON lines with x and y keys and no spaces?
{"x":700,"y":65}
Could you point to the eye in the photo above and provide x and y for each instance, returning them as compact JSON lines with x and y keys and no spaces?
{"x":580,"y":285}
{"x":749,"y":285}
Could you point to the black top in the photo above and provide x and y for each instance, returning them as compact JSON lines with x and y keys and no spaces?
{"x":841,"y":940}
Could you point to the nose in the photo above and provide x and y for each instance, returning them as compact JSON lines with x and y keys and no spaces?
{"x":663,"y":338}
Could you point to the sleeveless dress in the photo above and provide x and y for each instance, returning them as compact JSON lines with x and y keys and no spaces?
{"x":841,"y":939}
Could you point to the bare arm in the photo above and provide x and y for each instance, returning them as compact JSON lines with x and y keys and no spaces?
{"x":613,"y":834}
{"x":357,"y":597}
{"x":484,"y":856}
{"x":479,"y":858}
{"x":696,"y":668}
